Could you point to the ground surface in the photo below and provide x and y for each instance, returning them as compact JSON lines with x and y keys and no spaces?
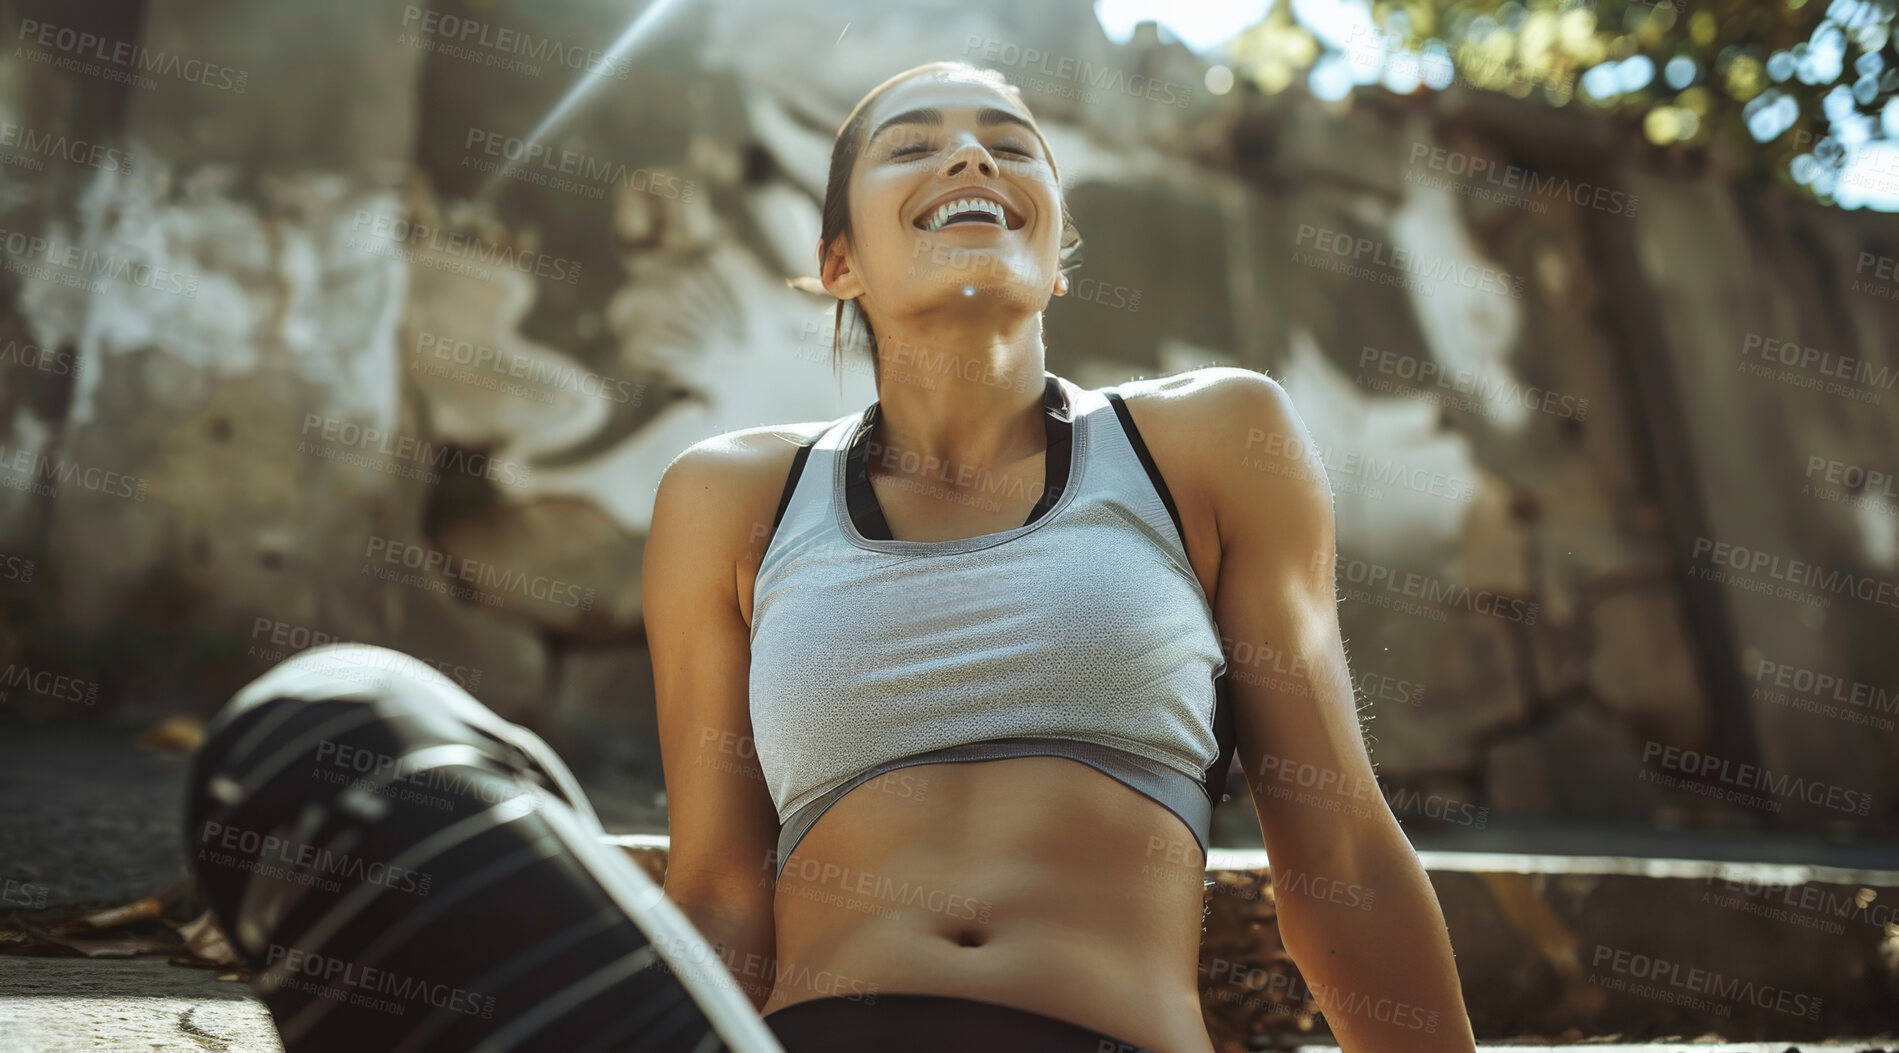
{"x":88,"y":819}
{"x":84,"y":1004}
{"x":95,"y":821}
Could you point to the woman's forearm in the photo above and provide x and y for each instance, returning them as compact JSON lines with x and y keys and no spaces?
{"x":1371,"y":943}
{"x":743,"y":939}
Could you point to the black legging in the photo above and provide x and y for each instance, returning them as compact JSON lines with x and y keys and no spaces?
{"x":403,"y":870}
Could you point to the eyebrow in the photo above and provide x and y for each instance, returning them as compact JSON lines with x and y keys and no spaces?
{"x":985,"y":117}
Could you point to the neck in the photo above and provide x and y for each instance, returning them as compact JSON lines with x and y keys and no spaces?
{"x":955,"y":408}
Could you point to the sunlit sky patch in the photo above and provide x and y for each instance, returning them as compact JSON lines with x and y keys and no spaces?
{"x":1340,"y":47}
{"x":1201,"y":25}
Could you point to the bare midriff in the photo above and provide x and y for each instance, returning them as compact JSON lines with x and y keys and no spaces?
{"x":1033,"y":882}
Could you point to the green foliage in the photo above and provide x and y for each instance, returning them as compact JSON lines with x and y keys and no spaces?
{"x":1811,"y":88}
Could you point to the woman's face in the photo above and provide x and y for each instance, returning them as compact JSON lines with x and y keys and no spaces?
{"x":936,"y":139}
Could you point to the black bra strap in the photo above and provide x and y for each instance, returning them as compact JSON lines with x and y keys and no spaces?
{"x":861,"y":500}
{"x":1147,"y":459}
{"x":791,"y":484}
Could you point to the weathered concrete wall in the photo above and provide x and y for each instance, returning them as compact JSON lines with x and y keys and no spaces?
{"x":1532,"y":400}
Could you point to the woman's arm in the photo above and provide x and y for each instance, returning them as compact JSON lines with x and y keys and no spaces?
{"x":1356,"y":911}
{"x":720,"y":816}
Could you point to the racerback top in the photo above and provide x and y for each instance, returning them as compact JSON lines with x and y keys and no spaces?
{"x":1082,"y":633}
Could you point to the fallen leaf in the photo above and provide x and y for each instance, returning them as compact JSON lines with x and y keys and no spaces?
{"x":145,"y":909}
{"x":204,"y":939}
{"x":179,"y":733}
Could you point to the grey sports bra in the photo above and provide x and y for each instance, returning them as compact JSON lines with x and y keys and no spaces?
{"x":1082,"y":633}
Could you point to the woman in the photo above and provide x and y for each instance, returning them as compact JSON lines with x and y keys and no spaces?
{"x":942,"y":693}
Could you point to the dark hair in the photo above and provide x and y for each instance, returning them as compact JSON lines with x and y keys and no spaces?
{"x":836,"y":221}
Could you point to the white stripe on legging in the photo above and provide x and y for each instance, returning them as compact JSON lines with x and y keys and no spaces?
{"x":686,"y":953}
{"x":556,"y":1005}
{"x":326,"y":927}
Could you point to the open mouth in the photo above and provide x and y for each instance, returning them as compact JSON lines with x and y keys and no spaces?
{"x":965,"y":212}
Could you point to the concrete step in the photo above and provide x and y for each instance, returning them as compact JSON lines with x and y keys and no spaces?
{"x":83,"y":1005}
{"x":1841,"y":1046}
{"x":1548,"y":944}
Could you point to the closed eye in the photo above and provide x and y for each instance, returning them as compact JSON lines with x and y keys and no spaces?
{"x":921,"y":148}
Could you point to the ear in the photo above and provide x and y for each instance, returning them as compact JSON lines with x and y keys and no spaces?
{"x":840,"y":278}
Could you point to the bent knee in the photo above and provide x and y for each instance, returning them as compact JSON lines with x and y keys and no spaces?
{"x":347,"y":671}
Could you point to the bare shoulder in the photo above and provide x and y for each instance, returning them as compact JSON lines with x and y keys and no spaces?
{"x":1233,"y":440}
{"x":727,"y":487}
{"x":1213,"y":418}
{"x":748,"y":449}
{"x":1230,"y":394}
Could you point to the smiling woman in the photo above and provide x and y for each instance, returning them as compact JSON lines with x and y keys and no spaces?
{"x":942,"y":698}
{"x":905,"y":139}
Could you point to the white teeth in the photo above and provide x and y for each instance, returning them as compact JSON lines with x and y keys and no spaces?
{"x":944,"y":212}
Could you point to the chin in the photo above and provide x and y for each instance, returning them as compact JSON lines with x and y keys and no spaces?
{"x":997,"y":281}
{"x":947,"y":288}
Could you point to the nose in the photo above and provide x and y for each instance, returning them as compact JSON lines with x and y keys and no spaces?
{"x":971,"y":152}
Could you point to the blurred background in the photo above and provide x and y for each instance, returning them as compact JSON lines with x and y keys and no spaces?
{"x":373,"y":321}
